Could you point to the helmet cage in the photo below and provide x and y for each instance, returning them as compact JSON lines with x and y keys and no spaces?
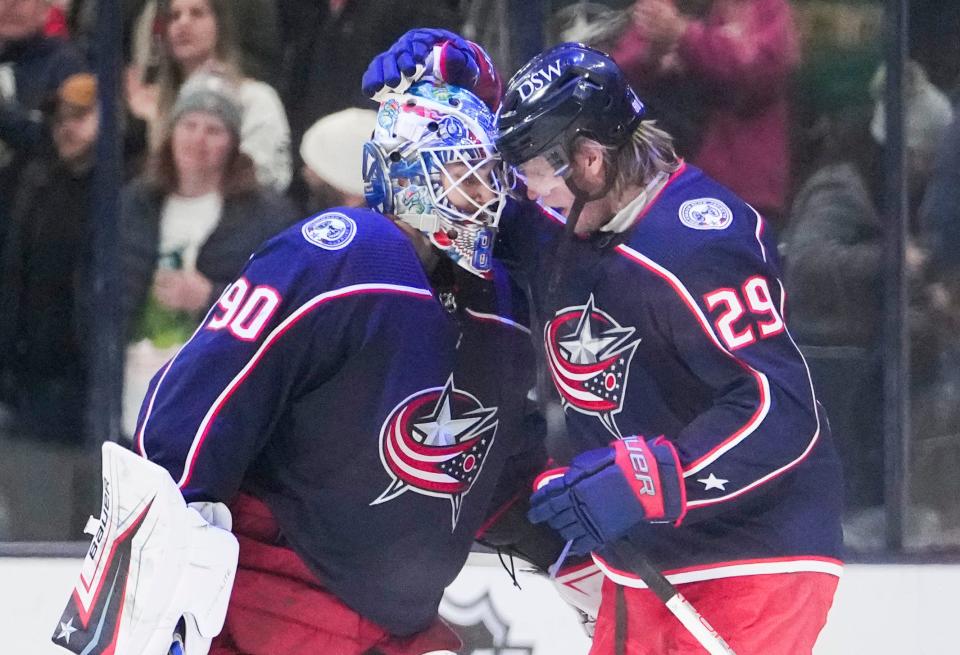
{"x":436,"y":163}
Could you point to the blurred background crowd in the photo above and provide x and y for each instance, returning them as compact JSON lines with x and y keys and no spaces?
{"x":242,"y":116}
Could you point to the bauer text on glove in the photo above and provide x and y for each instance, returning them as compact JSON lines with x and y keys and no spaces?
{"x":605,"y":492}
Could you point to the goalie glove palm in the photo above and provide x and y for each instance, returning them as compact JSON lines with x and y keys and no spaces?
{"x":606,"y":492}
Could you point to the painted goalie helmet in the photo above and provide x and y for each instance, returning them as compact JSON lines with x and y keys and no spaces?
{"x":432,"y":163}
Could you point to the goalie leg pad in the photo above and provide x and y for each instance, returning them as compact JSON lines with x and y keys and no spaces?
{"x":580,"y":584}
{"x":152,"y":562}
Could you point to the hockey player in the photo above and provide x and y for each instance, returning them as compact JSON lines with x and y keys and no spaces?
{"x":355,"y":395}
{"x":701,"y":442}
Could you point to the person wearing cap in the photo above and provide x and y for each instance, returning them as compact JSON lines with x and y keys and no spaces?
{"x":332,"y":157}
{"x":191,"y":221}
{"x":76,"y":121}
{"x":701,"y":448}
{"x":45,"y":281}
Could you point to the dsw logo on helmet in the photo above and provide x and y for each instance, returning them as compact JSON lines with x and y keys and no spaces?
{"x":538,"y":79}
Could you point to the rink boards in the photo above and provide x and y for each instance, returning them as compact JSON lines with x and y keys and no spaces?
{"x":880,"y":609}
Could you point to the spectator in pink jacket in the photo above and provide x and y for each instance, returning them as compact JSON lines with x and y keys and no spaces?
{"x":724,"y":78}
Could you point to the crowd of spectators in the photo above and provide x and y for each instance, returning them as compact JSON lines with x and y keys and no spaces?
{"x":834,"y":251}
{"x":242,"y":116}
{"x":719,"y":77}
{"x":223,"y":101}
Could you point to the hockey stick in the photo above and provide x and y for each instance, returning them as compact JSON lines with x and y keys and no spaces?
{"x":680,"y":607}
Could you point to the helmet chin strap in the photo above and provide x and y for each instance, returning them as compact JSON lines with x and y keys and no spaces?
{"x":563,"y":249}
{"x":580,"y":198}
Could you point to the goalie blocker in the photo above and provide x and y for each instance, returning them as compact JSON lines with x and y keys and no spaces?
{"x":157,"y":571}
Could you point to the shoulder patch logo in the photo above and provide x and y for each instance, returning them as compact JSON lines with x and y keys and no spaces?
{"x":706,"y":214}
{"x":330,"y":231}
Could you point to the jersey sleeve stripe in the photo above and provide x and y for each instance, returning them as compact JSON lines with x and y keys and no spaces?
{"x":693,"y":504}
{"x":271,"y":340}
{"x":759,"y":233}
{"x":787,"y":467}
{"x":763,"y":385}
{"x":737,"y":568}
{"x":783,"y":469}
{"x":494,"y":318}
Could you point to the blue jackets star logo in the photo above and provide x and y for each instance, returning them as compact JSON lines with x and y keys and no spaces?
{"x":589,"y":356}
{"x":435,"y":443}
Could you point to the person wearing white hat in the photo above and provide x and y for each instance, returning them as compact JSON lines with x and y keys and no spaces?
{"x":332,"y":158}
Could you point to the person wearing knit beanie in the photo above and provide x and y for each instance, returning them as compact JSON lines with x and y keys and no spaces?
{"x":210,"y":93}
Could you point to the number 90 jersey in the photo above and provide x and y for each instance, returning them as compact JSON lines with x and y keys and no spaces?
{"x":676,"y":327}
{"x":330,"y":382}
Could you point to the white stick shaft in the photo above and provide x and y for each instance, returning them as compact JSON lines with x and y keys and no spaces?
{"x":698,"y":626}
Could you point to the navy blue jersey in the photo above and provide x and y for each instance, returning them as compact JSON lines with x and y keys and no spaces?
{"x":331,"y":382}
{"x":676,"y":327}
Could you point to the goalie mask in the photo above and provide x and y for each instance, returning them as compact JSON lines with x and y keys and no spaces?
{"x":432,"y":164}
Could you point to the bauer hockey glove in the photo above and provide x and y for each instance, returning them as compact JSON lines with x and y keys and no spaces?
{"x":606,"y":492}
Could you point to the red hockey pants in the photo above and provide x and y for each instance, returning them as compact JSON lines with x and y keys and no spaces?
{"x":278,"y":607}
{"x":775,"y":614}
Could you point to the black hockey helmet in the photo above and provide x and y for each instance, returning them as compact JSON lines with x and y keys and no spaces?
{"x":568,"y":91}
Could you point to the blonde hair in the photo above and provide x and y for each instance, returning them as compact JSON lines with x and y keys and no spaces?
{"x":649,"y":152}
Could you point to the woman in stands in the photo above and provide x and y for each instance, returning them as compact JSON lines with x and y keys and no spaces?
{"x":199,"y":35}
{"x":190,"y":224}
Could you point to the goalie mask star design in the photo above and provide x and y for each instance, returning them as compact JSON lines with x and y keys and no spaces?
{"x":435,"y":443}
{"x":589,"y":356}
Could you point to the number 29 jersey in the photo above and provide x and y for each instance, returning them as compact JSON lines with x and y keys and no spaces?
{"x":676,"y":327}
